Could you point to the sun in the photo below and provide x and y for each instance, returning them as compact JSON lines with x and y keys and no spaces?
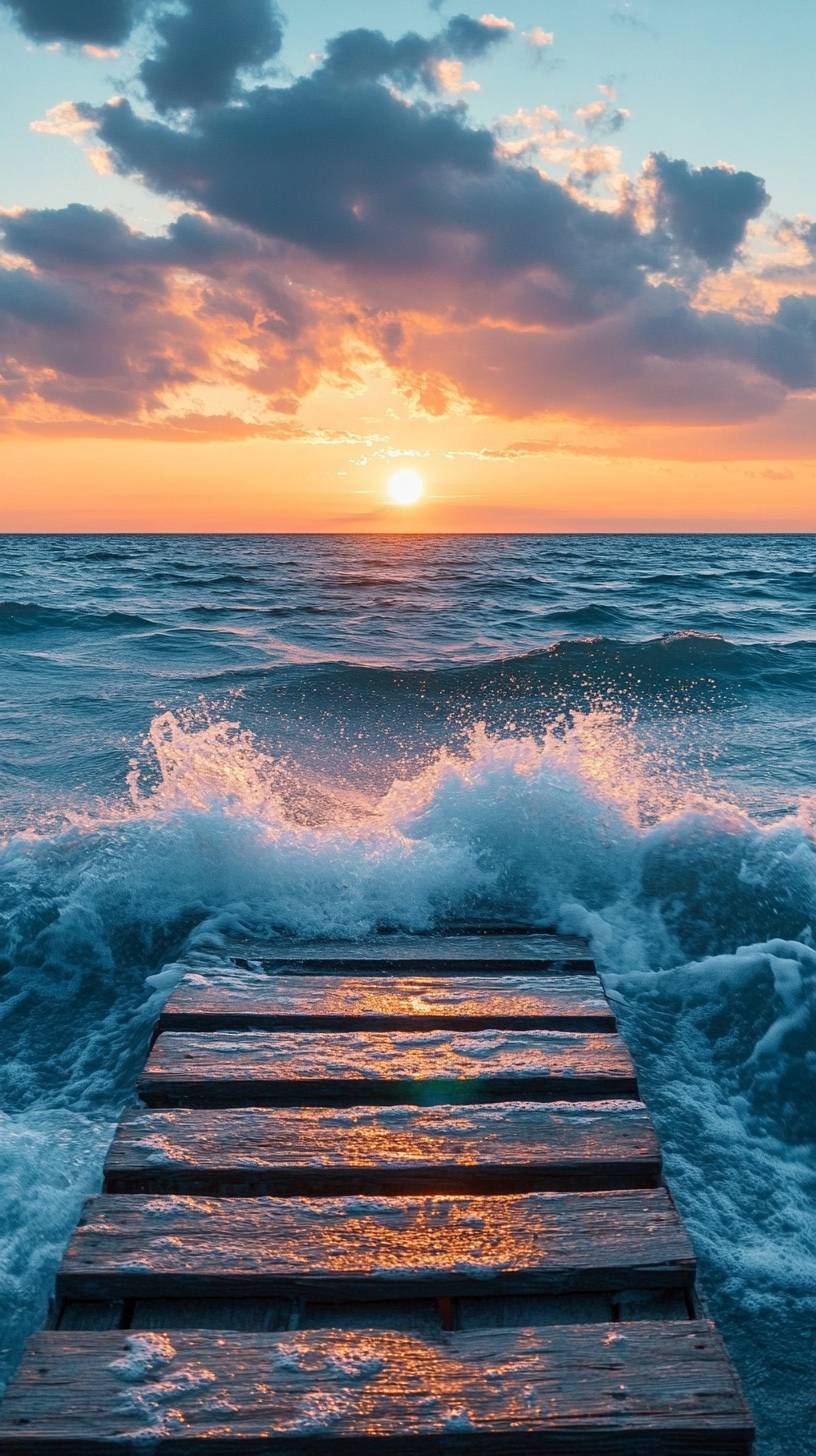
{"x":405,"y":488}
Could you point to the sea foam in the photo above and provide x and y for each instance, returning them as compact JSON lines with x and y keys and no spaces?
{"x":701,"y":919}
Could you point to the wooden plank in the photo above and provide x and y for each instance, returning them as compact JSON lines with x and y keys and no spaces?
{"x":248,"y":1068}
{"x":491,"y":1148}
{"x":243,"y":998}
{"x":211,"y":1314}
{"x":609,"y":1390}
{"x":518,"y":1311}
{"x":523,"y":1311}
{"x":542,"y":953}
{"x":84,"y":1315}
{"x":421,"y":1316}
{"x":375,"y":1249}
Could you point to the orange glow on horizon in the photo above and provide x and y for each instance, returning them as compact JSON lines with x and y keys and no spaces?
{"x":327,"y":469}
{"x":110,"y":485}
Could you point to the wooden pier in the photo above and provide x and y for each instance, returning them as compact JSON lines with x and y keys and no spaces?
{"x":393,"y":1198}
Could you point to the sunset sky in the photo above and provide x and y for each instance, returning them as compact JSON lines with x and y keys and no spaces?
{"x":558,"y":258}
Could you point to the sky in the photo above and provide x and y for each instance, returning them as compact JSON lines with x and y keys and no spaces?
{"x":557,"y":258}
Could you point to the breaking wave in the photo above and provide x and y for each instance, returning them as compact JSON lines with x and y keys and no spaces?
{"x":702,"y":920}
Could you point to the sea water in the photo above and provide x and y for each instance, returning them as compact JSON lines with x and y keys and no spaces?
{"x":322,"y":735}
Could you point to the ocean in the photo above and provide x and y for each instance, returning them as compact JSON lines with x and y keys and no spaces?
{"x":320,"y":735}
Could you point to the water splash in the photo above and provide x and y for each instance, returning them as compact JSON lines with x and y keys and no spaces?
{"x":701,"y":917}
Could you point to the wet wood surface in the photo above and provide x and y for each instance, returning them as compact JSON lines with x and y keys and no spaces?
{"x":649,"y":1389}
{"x":396,"y":1197}
{"x":242,"y":998}
{"x":248,"y":1068}
{"x":490,"y":1148}
{"x":375,"y":1248}
{"x":541,"y":953}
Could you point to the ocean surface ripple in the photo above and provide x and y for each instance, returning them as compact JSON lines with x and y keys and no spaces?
{"x":326,"y":735}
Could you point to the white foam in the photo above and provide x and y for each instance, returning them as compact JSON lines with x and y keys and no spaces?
{"x":701,"y":918}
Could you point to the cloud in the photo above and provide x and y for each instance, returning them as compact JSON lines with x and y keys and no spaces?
{"x":409,"y":199}
{"x":202,"y":48}
{"x":182,"y":429}
{"x":799,"y":232}
{"x":602,"y":116}
{"x":88,"y":22}
{"x":706,"y":210}
{"x":658,"y":361}
{"x":113,"y":324}
{"x":588,"y":165}
{"x":470,"y":39}
{"x":357,"y":56}
{"x":78,"y":238}
{"x":199,"y":47}
{"x":336,"y":223}
{"x":65,"y":120}
{"x":449,"y":78}
{"x":539,"y":39}
{"x":496,"y":22}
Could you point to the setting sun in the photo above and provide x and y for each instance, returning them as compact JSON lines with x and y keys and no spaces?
{"x":405,"y":488}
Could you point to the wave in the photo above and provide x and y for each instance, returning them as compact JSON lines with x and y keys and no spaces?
{"x":29,"y":617}
{"x":593,"y":614}
{"x":701,"y":918}
{"x":686,"y":671}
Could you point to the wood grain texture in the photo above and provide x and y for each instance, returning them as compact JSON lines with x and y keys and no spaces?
{"x":542,"y":953}
{"x":491,"y":1148}
{"x":373,"y":1249}
{"x":211,"y":1314}
{"x":243,"y":998}
{"x":609,"y":1390}
{"x":84,"y":1315}
{"x":290,"y":1068}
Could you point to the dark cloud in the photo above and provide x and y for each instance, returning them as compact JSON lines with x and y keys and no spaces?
{"x":88,"y":346}
{"x":199,"y":47}
{"x":340,"y":171}
{"x":412,"y":195}
{"x":367,"y":55}
{"x":202,"y":47}
{"x":81,"y":238}
{"x":27,"y":299}
{"x":114,"y":322}
{"x":332,"y":220}
{"x":706,"y":209}
{"x":468,"y":39}
{"x":70,"y":237}
{"x":83,"y":22}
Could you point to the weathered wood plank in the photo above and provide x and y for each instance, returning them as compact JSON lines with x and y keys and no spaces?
{"x":491,"y":1148}
{"x":542,"y":953}
{"x":373,"y":1249}
{"x":84,"y":1315}
{"x":524,"y":1311}
{"x":243,"y":998}
{"x":248,"y":1068}
{"x":609,"y":1390}
{"x":420,"y":1316}
{"x":518,"y":1311}
{"x":211,"y":1314}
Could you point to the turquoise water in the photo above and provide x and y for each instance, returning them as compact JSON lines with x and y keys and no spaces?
{"x":327,"y":734}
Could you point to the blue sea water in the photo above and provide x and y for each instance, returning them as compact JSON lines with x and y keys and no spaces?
{"x":323,"y":735}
